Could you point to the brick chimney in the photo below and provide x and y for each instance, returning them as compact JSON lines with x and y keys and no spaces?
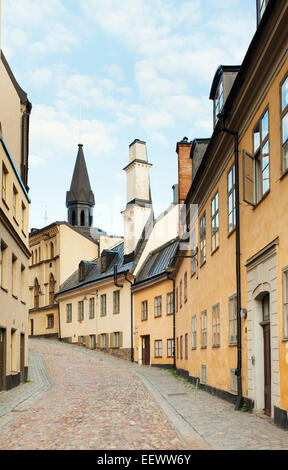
{"x":184,"y":168}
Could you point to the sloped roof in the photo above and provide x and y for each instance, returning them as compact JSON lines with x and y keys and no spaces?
{"x":80,"y":190}
{"x":157,"y":261}
{"x":94,"y":274}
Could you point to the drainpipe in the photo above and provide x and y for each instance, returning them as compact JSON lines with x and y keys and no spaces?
{"x":221,"y":118}
{"x":132,"y":326}
{"x":174,"y":322}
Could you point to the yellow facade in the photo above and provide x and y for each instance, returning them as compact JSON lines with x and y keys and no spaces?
{"x":14,"y":218}
{"x":159,"y":328}
{"x":55,"y":253}
{"x":207,"y":316}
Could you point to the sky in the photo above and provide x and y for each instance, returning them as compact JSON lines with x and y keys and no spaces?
{"x":132,"y":69}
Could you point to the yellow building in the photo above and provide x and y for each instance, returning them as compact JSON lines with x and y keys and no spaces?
{"x":14,"y":215}
{"x":231,"y":294}
{"x":153,"y":299}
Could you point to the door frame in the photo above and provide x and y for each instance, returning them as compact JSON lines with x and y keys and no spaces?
{"x":3,"y":332}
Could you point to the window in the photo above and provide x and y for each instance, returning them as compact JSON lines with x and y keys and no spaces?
{"x":219,"y":101}
{"x":177,"y":299}
{"x":177,"y":348}
{"x":261,"y":6}
{"x":158,"y":348}
{"x":203,"y":239}
{"x":103,"y":305}
{"x":4,"y":183}
{"x":23,"y":284}
{"x":193,"y":251}
{"x":194,"y":332}
{"x":170,"y":348}
{"x":215,"y":221}
{"x":233,"y":381}
{"x":116,"y":340}
{"x":4,"y":267}
{"x":204,"y":374}
{"x":51,"y":290}
{"x":51,"y":250}
{"x":233,"y":320}
{"x":103,"y":341}
{"x":144,"y":310}
{"x":186,"y":346}
{"x":91,"y":308}
{"x":181,"y":347}
{"x":14,"y":276}
{"x":181,"y":293}
{"x":69,"y":313}
{"x":23,"y":218}
{"x":256,"y":167}
{"x":204,"y":329}
{"x":284,"y":124}
{"x":36,"y":293}
{"x":81,"y":310}
{"x":170,"y":304}
{"x":158,"y":306}
{"x":285,"y":304}
{"x":216,"y":325}
{"x":185,"y":287}
{"x":15,"y":203}
{"x":50,"y":322}
{"x":116,"y":301}
{"x":231,"y":199}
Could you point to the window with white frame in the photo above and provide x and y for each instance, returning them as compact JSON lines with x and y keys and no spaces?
{"x":203,"y":239}
{"x":103,"y":305}
{"x":218,"y":101}
{"x":256,"y":166}
{"x":216,"y":325}
{"x":284,"y":124}
{"x":170,"y":348}
{"x":204,"y":374}
{"x":91,"y":308}
{"x":231,"y":199}
{"x":194,"y":332}
{"x":158,"y":306}
{"x":204,"y":329}
{"x":81,"y":310}
{"x":193,"y":252}
{"x":4,"y":183}
{"x":69,"y":313}
{"x":233,"y":381}
{"x":185,"y":287}
{"x":285,"y":304}
{"x":116,"y":301}
{"x":158,"y":348}
{"x":181,"y":293}
{"x":116,"y":340}
{"x":144,"y":310}
{"x":233,"y":320}
{"x":215,"y":222}
{"x":186,"y":346}
{"x":170,"y":303}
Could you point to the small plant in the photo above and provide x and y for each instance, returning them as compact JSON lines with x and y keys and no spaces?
{"x":244,"y":408}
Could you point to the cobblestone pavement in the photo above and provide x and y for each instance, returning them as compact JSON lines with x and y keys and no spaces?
{"x":101,"y":402}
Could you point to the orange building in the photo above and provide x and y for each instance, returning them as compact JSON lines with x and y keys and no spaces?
{"x":232,"y":291}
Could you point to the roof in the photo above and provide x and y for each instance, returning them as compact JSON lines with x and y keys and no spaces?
{"x":91,"y":233}
{"x":21,"y":93}
{"x":80,"y":190}
{"x":157,"y":261}
{"x":94,"y":274}
{"x":219,"y":72}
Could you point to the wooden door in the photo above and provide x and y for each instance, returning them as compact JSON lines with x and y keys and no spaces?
{"x":267,"y":354}
{"x":22,"y":358}
{"x":2,"y":359}
{"x":146,"y":350}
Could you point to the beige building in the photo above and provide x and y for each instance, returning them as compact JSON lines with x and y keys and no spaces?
{"x":56,"y":251}
{"x":14,"y":213}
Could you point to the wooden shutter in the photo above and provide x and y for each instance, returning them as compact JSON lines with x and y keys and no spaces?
{"x":249,"y":187}
{"x":121,"y":340}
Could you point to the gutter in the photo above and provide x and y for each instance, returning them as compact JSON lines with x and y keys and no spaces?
{"x":221,"y":117}
{"x":174,"y":321}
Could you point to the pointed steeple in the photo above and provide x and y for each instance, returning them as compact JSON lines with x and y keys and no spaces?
{"x":80,"y":199}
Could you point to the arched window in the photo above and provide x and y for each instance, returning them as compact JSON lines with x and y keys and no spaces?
{"x":32,"y":258}
{"x":82,"y":218}
{"x":51,"y":250}
{"x":73,"y":220}
{"x":36,"y":293}
{"x":36,"y":257}
{"x":51,"y":289}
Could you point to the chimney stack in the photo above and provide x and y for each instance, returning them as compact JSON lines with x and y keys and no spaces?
{"x":184,"y":168}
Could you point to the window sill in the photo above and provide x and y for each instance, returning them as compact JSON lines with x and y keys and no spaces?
{"x":284,"y":174}
{"x":203,"y":263}
{"x":157,"y":316}
{"x":4,"y":289}
{"x":15,"y":220}
{"x":284,"y":340}
{"x":144,"y":319}
{"x":232,"y":345}
{"x":169,"y":314}
{"x":215,"y":346}
{"x":15,"y":297}
{"x":22,"y":302}
{"x":215,"y":250}
{"x":231,"y":232}
{"x":203,"y":347}
{"x":5,"y":204}
{"x":262,"y":199}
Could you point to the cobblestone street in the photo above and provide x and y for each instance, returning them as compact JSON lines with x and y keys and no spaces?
{"x":81,"y":399}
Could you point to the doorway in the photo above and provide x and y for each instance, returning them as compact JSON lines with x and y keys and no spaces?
{"x":2,"y":359}
{"x":267,"y":353}
{"x":146,"y":350}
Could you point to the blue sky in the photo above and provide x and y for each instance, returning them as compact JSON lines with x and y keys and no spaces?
{"x":138,"y":68}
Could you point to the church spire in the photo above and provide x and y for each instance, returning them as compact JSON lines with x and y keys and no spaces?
{"x":80,"y":199}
